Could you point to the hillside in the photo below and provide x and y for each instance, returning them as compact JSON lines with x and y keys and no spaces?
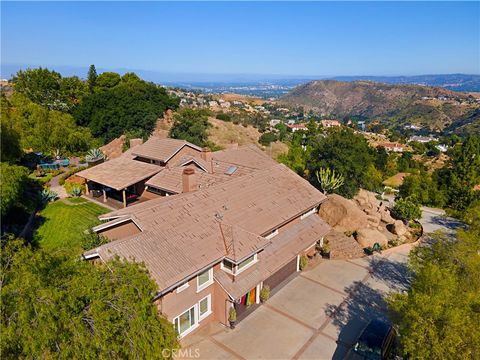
{"x":396,"y":105}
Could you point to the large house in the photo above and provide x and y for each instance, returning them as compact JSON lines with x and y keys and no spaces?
{"x":236,"y":221}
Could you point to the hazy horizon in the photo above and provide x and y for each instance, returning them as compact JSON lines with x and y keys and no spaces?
{"x":258,"y":39}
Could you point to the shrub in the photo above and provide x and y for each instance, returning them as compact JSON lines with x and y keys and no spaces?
{"x":303,"y":262}
{"x":65,"y":176}
{"x":407,"y":209}
{"x":265,"y":293}
{"x":267,"y":138}
{"x":92,"y":240}
{"x":224,"y":117}
{"x":48,"y":195}
{"x":73,"y":189}
{"x":232,"y":315}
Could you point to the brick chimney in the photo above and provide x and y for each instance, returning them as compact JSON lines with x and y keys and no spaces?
{"x":206,"y":155}
{"x":189,"y":180}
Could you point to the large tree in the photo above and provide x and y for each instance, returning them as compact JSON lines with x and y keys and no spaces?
{"x":191,"y":125}
{"x":41,"y":129}
{"x":92,"y":77}
{"x":439,"y":315}
{"x":58,"y":306}
{"x":345,"y":152}
{"x":48,"y":88}
{"x":121,"y":105}
{"x":13,"y":179}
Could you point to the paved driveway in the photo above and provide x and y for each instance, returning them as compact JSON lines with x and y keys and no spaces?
{"x":435,"y":219}
{"x":318,"y":315}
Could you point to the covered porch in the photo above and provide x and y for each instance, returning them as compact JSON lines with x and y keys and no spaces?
{"x":119,"y":182}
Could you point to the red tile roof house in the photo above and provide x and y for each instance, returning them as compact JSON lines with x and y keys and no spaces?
{"x":395,"y":147}
{"x":329,"y":123}
{"x":215,"y":245}
{"x":297,"y":127}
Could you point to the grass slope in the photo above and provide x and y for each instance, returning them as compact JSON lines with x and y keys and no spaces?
{"x":64,"y":222}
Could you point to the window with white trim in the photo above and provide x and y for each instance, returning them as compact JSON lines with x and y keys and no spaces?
{"x":228,"y":266}
{"x":272,"y":234}
{"x":204,"y":279}
{"x":204,"y":307}
{"x":245,"y":263}
{"x":236,"y":269}
{"x":186,"y":322}
{"x":308,"y":213}
{"x":182,"y":287}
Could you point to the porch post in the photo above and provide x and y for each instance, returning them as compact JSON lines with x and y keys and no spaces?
{"x":104,"y":195}
{"x":124,"y":198}
{"x":87,"y":191}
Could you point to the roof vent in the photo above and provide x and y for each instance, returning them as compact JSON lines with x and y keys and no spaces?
{"x":231,"y":170}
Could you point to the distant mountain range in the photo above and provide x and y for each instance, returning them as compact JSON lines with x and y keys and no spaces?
{"x":432,"y":108}
{"x":454,"y":82}
{"x":258,"y":82}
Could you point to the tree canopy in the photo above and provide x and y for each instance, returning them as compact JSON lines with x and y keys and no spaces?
{"x":122,"y":104}
{"x":13,"y":179}
{"x":191,"y":125}
{"x":56,"y":305}
{"x":439,"y":315}
{"x":346,"y":153}
{"x":48,"y":88}
{"x":42,"y":129}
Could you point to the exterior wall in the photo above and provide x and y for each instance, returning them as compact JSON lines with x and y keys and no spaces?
{"x":119,"y":231}
{"x":185,"y":151}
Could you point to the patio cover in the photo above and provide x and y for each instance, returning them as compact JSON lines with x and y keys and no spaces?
{"x":120,"y":173}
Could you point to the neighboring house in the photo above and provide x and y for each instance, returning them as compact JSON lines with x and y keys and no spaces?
{"x":274,"y":122}
{"x":394,"y":147}
{"x":121,"y":181}
{"x":329,"y":123}
{"x":422,"y":139}
{"x":235,"y":228}
{"x":297,"y":127}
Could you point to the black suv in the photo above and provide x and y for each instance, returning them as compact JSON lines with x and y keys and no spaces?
{"x":377,"y":341}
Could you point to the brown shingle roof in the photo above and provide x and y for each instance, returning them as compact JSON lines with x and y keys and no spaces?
{"x":181,"y":234}
{"x":161,"y":149}
{"x":248,"y":156}
{"x":120,"y":172}
{"x":171,"y":179}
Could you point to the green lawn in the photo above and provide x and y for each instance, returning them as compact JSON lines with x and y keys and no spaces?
{"x":63,"y":224}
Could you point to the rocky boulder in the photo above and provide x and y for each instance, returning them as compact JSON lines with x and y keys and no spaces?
{"x":367,"y":200}
{"x":343,"y":214}
{"x":368,"y":237}
{"x":399,"y":228}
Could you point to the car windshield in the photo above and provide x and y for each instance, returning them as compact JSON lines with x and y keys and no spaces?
{"x":368,"y":351}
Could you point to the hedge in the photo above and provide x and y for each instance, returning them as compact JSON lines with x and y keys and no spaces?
{"x":65,"y":176}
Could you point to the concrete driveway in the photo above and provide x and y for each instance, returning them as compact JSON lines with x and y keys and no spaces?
{"x":435,"y":219}
{"x":318,"y":315}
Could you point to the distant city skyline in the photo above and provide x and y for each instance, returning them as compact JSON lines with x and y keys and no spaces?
{"x":314,"y":39}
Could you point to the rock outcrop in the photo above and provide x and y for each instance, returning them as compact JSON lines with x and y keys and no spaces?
{"x":343,"y":214}
{"x":368,"y":237}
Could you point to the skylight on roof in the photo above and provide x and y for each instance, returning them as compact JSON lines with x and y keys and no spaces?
{"x":231,"y":170}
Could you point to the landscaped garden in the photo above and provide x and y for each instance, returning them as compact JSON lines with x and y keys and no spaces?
{"x":63,"y":223}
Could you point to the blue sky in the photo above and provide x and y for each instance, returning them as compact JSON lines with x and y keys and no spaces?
{"x":313,"y":38}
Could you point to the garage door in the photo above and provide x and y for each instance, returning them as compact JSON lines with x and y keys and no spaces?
{"x":281,"y":275}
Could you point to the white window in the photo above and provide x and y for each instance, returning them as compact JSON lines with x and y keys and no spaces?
{"x":245,"y":263}
{"x":228,"y":266}
{"x":186,"y":322}
{"x":204,"y":307}
{"x":272,"y":234}
{"x":308,"y":213}
{"x":231,"y":268}
{"x":182,"y":287}
{"x":204,"y":279}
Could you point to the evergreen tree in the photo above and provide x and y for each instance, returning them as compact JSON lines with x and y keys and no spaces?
{"x":92,"y":77}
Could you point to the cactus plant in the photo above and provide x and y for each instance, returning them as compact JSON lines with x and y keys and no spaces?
{"x":94,"y":155}
{"x":76,"y":191}
{"x":48,"y":195}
